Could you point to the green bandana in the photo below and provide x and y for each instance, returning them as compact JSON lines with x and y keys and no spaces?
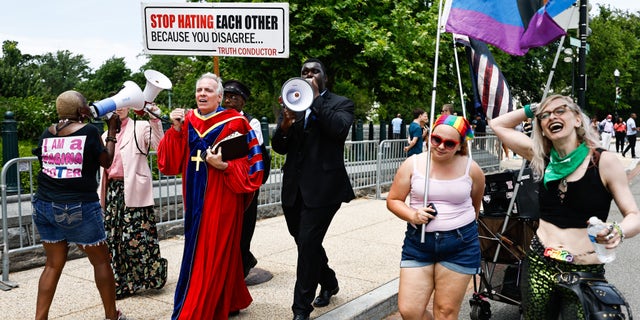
{"x":559,"y":168}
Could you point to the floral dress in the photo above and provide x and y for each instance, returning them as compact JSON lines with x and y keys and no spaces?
{"x":133,"y":241}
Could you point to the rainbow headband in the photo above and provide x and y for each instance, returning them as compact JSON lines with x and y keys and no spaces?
{"x":459,"y":123}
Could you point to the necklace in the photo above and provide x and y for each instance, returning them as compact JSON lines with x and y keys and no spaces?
{"x":562,"y":189}
{"x":63,"y":123}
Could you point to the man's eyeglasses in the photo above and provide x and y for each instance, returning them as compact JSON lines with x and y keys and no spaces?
{"x":559,"y":111}
{"x":437,"y":140}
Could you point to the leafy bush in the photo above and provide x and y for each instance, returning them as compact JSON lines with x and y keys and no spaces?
{"x":31,"y":113}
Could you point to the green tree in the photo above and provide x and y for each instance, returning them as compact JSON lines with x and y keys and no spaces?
{"x":61,"y":71}
{"x":107,"y":79}
{"x":165,"y":65}
{"x":382,"y":52}
{"x":18,"y":72}
{"x":614,"y":44}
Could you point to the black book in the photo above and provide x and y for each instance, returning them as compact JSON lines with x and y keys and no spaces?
{"x":232,"y":147}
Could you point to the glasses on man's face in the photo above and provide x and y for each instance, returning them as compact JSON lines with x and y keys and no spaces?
{"x":559,"y":111}
{"x":449,"y":144}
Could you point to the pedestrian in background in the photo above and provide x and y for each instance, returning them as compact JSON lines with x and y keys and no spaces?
{"x":607,"y":131}
{"x":479,"y":127}
{"x":620,"y":130}
{"x":447,"y":109}
{"x":417,"y":133}
{"x":632,"y":132}
{"x":396,"y":124}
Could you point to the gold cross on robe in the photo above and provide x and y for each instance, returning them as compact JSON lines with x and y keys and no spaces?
{"x":197,"y":158}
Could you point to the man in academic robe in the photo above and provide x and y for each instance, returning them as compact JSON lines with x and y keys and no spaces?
{"x":216,"y":193}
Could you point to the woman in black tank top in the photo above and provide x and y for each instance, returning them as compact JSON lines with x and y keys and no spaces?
{"x":577,"y":181}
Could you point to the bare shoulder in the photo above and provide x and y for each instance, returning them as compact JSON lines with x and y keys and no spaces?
{"x":407,"y":164}
{"x":609,"y":160}
{"x":475,"y":171}
{"x":611,"y":169}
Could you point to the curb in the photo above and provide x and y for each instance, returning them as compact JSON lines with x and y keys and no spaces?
{"x":375,"y":305}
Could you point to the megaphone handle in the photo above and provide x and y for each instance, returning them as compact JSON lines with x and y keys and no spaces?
{"x":156,"y":113}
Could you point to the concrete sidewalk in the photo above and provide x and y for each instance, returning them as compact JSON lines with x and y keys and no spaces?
{"x":363,"y":245}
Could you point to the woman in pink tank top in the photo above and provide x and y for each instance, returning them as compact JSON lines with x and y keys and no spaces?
{"x":441,"y":250}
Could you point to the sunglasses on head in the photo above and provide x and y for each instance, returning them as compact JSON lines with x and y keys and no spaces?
{"x":437,"y":140}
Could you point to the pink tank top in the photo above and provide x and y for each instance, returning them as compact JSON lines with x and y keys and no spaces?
{"x":452,"y":198}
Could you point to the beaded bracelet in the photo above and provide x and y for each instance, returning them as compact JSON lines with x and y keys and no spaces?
{"x":112,"y":139}
{"x":618,"y":229}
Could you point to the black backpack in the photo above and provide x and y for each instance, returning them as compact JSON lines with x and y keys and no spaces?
{"x":266,"y":155}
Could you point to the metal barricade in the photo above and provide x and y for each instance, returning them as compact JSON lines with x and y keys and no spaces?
{"x":486,"y":151}
{"x":390,"y":155}
{"x":23,"y":164}
{"x":369,"y":165}
{"x":360,"y":161}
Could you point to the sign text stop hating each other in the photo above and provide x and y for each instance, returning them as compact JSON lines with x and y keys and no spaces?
{"x":235,"y":29}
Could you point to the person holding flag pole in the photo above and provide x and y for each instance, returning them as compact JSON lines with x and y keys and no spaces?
{"x":445,"y":187}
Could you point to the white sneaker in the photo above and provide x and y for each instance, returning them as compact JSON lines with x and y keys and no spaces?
{"x":121,"y":316}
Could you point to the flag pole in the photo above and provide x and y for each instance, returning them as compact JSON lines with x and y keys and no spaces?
{"x":553,"y":69}
{"x":432,"y":114}
{"x":516,"y":188}
{"x":464,"y":107}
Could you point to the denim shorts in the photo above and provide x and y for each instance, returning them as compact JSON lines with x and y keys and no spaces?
{"x":75,"y":222}
{"x":457,"y":250}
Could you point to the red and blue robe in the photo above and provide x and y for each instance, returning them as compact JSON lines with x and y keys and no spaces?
{"x":211,"y":282}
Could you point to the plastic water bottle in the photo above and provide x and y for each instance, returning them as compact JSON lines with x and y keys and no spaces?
{"x":595,"y":226}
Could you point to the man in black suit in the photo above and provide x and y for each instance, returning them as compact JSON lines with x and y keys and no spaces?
{"x":315,"y":183}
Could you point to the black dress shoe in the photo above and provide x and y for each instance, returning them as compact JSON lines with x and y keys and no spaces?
{"x":234,"y":313}
{"x":300,"y":317}
{"x":324,"y":298}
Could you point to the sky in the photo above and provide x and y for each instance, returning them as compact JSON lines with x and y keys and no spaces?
{"x":97,"y":29}
{"x":100,"y":29}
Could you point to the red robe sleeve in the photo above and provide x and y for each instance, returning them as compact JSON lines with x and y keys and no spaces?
{"x":171,"y":151}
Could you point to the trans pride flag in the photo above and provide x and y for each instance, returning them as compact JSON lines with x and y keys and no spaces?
{"x":514,"y":26}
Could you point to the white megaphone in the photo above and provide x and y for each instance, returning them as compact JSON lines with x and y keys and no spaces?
{"x":297,"y":94}
{"x":156,"y":82}
{"x":130,"y":96}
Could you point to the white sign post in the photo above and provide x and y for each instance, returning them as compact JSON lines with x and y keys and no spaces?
{"x":258,"y":30}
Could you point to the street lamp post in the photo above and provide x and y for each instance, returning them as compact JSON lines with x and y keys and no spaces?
{"x":616,"y":74}
{"x":570,"y":57}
